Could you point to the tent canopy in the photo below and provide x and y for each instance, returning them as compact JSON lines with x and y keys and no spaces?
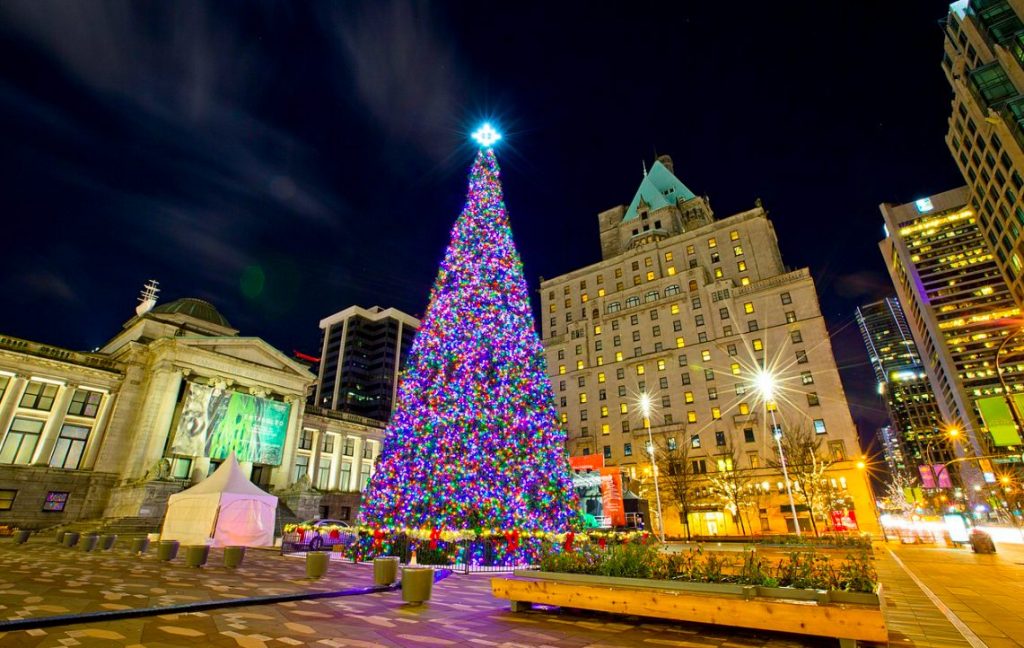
{"x":224,"y":509}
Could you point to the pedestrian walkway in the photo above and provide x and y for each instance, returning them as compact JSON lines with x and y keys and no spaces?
{"x":984,"y":592}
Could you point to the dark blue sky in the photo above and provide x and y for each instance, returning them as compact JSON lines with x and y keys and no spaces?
{"x":287,"y":159}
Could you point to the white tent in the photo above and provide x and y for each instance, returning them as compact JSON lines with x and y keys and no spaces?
{"x":224,"y":509}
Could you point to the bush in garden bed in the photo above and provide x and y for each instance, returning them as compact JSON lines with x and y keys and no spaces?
{"x":798,"y":570}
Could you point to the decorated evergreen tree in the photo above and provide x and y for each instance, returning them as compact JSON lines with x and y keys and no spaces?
{"x":474,"y":441}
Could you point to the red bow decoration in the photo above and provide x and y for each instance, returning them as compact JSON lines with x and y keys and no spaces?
{"x":301,"y":532}
{"x":601,"y":542}
{"x":435,"y":535}
{"x":334,"y":534}
{"x":569,"y":537}
{"x":378,"y":538}
{"x":512,"y":537}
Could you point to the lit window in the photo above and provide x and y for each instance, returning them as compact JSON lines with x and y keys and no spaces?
{"x":689,"y":249}
{"x":716,"y":413}
{"x":564,"y":417}
{"x":744,"y":409}
{"x":675,"y":309}
{"x":584,"y":297}
{"x":735,"y":369}
{"x":600,"y":377}
{"x":819,"y":426}
{"x":671,"y":270}
{"x":583,"y":397}
{"x":600,"y":360}
{"x":734,"y":235}
{"x":618,"y":356}
{"x":712,"y":243}
{"x":705,"y":355}
{"x":737,"y":250}
{"x":718,"y":273}
{"x":623,"y":408}
{"x":668,"y":256}
{"x":748,"y":307}
{"x":561,"y":369}
{"x":688,"y":397}
{"x":639,"y":370}
{"x":758,"y":345}
{"x":650,"y":275}
{"x":597,"y":330}
{"x":691,"y":416}
{"x":806,"y":378}
{"x":604,"y":411}
{"x":600,"y":292}
{"x":579,"y":364}
{"x":741,"y":266}
{"x":679,"y":343}
{"x":661,"y":365}
{"x":605,"y":429}
{"x":744,"y":281}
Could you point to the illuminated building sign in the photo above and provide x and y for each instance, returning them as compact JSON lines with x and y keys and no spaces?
{"x":923,"y":205}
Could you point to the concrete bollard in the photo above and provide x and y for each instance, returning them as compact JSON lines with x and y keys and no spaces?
{"x":196,"y":555}
{"x":89,"y":542}
{"x":71,"y":538}
{"x":233,"y":556}
{"x":417,"y":584}
{"x":108,"y":541}
{"x":385,"y":570}
{"x":21,"y":536}
{"x":167,"y":550}
{"x":140,"y":545}
{"x":316,"y":563}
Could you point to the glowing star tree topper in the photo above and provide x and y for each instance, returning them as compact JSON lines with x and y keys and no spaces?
{"x":486,"y":136}
{"x":474,"y":441}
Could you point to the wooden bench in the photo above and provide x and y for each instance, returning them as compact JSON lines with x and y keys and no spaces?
{"x":847,"y":623}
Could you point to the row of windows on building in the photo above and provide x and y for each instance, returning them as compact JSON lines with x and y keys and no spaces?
{"x":322,"y":478}
{"x":648,"y":262}
{"x":22,"y":437}
{"x":836,"y":449}
{"x":327,"y":442}
{"x":54,"y":502}
{"x":806,"y":377}
{"x":756,"y":344}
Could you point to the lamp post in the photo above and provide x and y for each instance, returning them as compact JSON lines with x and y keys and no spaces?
{"x":949,"y":436}
{"x":764,"y":382}
{"x":645,"y":411}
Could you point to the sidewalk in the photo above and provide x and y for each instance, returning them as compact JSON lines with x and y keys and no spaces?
{"x":985,"y":592}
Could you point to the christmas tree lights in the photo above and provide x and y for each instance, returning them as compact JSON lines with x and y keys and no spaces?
{"x":474,"y":441}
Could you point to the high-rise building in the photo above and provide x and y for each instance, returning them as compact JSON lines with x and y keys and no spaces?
{"x":984,"y":63}
{"x":688,"y":308}
{"x":958,"y":308}
{"x":361,"y":355}
{"x":903,"y":384}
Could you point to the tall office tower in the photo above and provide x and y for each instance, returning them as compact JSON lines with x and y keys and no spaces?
{"x":687,"y":308}
{"x":984,"y":62}
{"x":362,"y":353}
{"x":903,"y":384}
{"x":959,"y":310}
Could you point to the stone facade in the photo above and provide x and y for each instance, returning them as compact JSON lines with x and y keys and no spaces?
{"x":689,"y":309}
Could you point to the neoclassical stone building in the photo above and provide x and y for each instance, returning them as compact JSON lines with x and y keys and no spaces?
{"x":112,"y":434}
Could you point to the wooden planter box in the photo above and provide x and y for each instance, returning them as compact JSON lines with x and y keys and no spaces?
{"x":697,"y":602}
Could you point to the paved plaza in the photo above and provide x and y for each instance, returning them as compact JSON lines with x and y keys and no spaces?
{"x":44,"y":579}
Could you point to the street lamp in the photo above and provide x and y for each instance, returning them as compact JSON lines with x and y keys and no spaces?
{"x":765,"y":383}
{"x":951,"y":435}
{"x":645,"y":411}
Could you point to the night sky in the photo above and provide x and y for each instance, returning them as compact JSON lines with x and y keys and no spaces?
{"x":285,"y":160}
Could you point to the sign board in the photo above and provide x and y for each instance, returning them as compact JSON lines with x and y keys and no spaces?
{"x":598,"y":488}
{"x":995,"y":411}
{"x":956,"y":525}
{"x":216,"y":422}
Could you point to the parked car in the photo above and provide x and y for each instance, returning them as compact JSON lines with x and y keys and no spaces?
{"x":321,"y":533}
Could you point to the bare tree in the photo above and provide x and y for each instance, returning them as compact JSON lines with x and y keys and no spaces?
{"x":676,"y":477}
{"x":732,"y":484}
{"x":807,"y":465}
{"x":896,"y":493}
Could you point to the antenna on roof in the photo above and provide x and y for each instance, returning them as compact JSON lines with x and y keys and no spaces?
{"x":644,"y":162}
{"x":147,"y":298}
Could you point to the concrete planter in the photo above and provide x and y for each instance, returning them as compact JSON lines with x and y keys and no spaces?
{"x":233,"y":556}
{"x":167,"y":550}
{"x":316,"y":564}
{"x":196,"y":555}
{"x":108,"y":541}
{"x":793,"y":594}
{"x":856,"y":598}
{"x":89,"y":542}
{"x":417,"y":584}
{"x":746,"y":591}
{"x":385,"y":570}
{"x":140,"y":545}
{"x":70,"y":538}
{"x":21,"y":537}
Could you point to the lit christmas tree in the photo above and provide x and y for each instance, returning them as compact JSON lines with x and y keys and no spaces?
{"x":474,"y":441}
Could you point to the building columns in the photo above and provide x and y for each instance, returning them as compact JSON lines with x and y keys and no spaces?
{"x":9,"y":404}
{"x":357,"y":465}
{"x":162,"y":398}
{"x":51,"y":430}
{"x":282,"y":477}
{"x":99,"y":431}
{"x":314,"y":457}
{"x":336,"y":464}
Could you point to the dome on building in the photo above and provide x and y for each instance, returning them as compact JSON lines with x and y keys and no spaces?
{"x":196,"y":308}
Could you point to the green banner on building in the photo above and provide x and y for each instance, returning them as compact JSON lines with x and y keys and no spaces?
{"x":999,"y":420}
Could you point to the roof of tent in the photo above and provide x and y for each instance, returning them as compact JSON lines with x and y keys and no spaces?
{"x":228,"y":478}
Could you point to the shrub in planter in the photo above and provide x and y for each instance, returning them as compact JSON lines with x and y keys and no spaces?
{"x":633,"y":560}
{"x":857,"y":574}
{"x":584,"y":560}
